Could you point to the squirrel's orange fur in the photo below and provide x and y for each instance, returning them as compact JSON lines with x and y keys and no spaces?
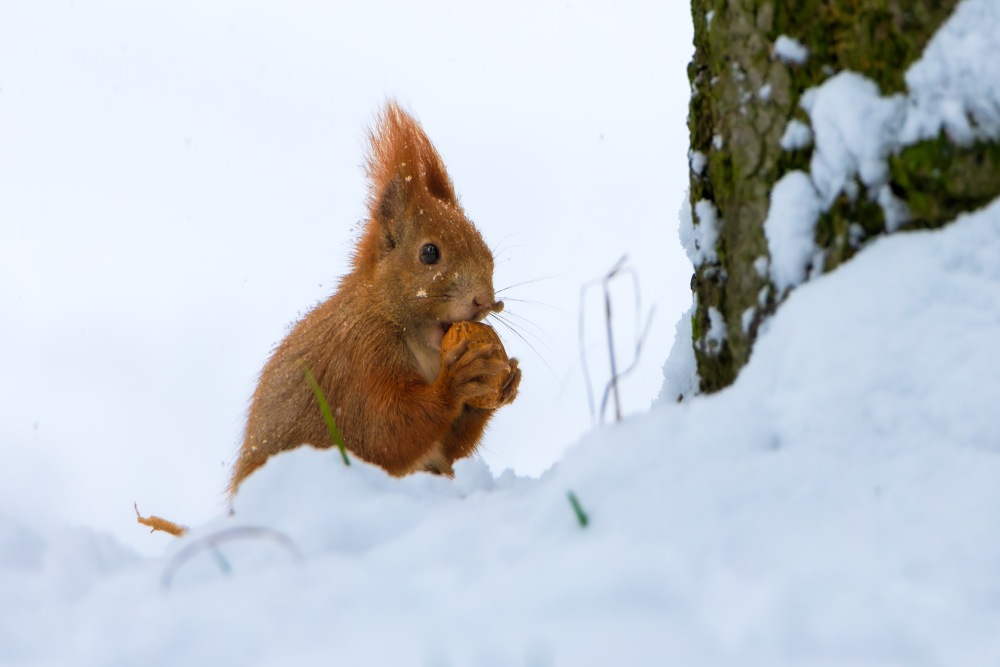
{"x":374,"y":346}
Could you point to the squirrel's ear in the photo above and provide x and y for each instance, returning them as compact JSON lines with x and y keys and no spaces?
{"x":393,"y":200}
{"x":387,"y":217}
{"x":433,"y":173}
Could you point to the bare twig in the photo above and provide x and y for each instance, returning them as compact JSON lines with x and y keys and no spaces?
{"x":611,"y":388}
{"x":211,"y":543}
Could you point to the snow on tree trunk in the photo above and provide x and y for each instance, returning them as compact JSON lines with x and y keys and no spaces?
{"x":753,"y":123}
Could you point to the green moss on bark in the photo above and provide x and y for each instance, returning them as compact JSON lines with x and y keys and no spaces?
{"x":841,"y":230}
{"x":878,"y":38}
{"x":938,"y":179}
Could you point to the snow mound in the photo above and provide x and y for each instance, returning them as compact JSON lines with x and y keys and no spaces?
{"x":834,"y":506}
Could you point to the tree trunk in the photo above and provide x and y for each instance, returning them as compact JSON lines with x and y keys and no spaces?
{"x":743,"y":98}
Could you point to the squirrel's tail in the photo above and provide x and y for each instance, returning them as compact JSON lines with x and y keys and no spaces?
{"x":156,"y":523}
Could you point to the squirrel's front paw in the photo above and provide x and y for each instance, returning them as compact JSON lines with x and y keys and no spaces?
{"x":477,"y":374}
{"x":508,"y":392}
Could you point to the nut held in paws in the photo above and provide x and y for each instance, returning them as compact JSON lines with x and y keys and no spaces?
{"x":478,"y":333}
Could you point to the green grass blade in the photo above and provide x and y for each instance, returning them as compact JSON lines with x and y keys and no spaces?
{"x":324,"y":407}
{"x":581,"y":516}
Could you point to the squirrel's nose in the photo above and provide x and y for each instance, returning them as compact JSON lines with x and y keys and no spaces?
{"x":481,"y":302}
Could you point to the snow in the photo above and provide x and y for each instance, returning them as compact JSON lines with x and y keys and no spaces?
{"x":699,"y":239}
{"x":894,"y":211}
{"x":762,"y":295}
{"x":716,"y":334}
{"x":854,"y":129}
{"x":790,"y":228}
{"x":849,"y":120}
{"x":708,"y":229}
{"x":955,"y":85}
{"x":680,"y":370}
{"x":797,"y":135}
{"x":761,"y":265}
{"x":790,"y":50}
{"x":746,"y":318}
{"x":698,"y":161}
{"x":834,"y":506}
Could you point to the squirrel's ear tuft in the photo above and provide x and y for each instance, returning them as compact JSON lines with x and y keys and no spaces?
{"x":401,"y":150}
{"x":403,"y":168}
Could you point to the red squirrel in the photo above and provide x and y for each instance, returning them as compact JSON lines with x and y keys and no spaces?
{"x":374,"y":346}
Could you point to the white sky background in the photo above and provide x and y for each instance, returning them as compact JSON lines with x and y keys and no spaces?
{"x":181,"y":181}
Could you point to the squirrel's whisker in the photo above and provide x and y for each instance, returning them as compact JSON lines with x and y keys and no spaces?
{"x":550,"y":349}
{"x":527,"y":342}
{"x":498,"y":249}
{"x":540,"y":334}
{"x":532,"y":280}
{"x":534,"y":303}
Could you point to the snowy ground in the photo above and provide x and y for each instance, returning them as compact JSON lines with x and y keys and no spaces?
{"x":837,"y":505}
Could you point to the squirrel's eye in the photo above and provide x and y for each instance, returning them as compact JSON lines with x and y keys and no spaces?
{"x":430,"y":254}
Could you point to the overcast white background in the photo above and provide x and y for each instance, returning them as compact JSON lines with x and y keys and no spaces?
{"x":181,"y":181}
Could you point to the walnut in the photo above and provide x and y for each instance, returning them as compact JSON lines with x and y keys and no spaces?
{"x":478,"y":333}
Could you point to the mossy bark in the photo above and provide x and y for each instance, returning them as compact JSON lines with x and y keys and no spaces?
{"x":742,"y":98}
{"x":938,"y":180}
